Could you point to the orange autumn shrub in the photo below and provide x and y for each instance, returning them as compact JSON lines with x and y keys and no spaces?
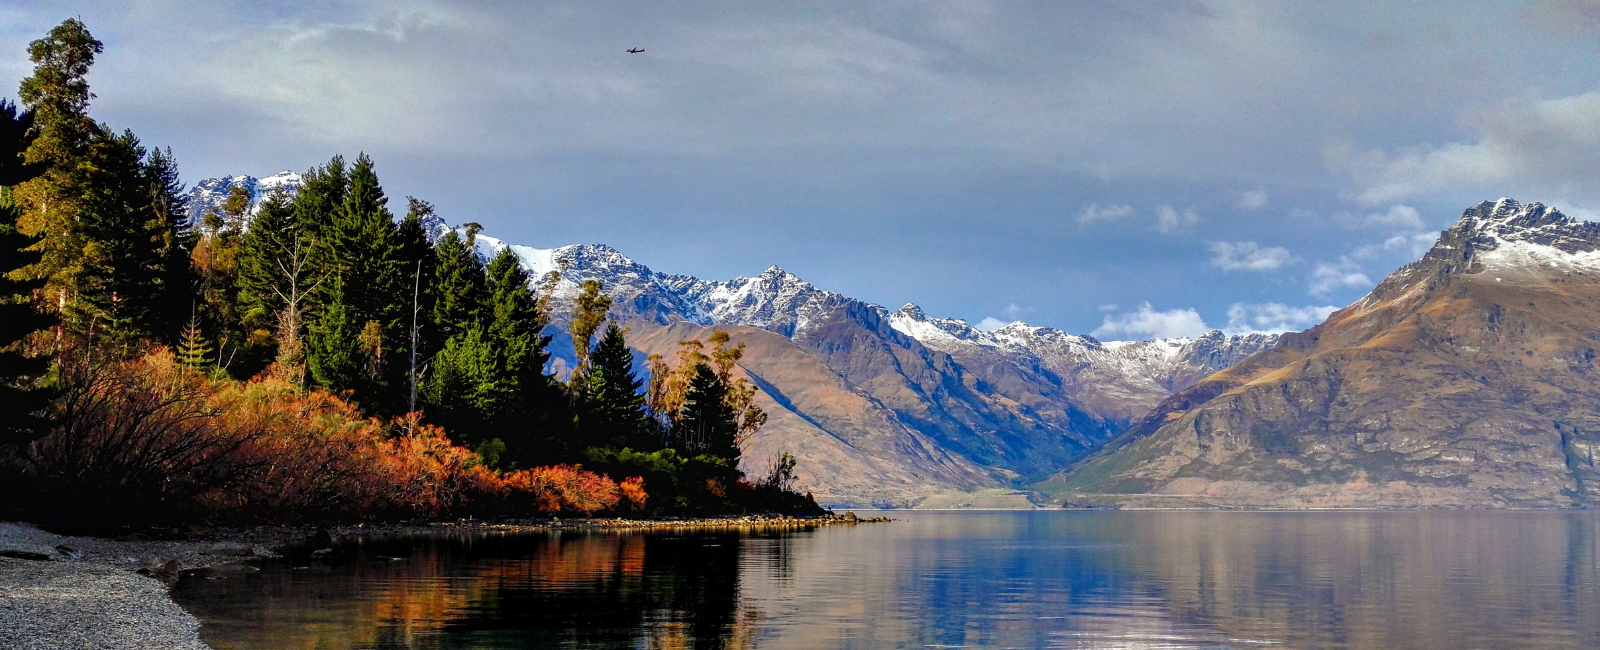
{"x":562,"y":488}
{"x":148,"y":439}
{"x":633,"y":493}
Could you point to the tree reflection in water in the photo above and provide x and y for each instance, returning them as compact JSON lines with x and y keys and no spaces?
{"x":487,"y":591}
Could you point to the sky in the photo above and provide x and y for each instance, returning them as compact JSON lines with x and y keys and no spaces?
{"x":1128,"y":170}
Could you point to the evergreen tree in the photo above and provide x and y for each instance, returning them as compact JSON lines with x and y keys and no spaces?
{"x":322,"y":191}
{"x":460,"y":288}
{"x":334,"y":353}
{"x":275,"y":283}
{"x":362,"y":240}
{"x":217,"y":259}
{"x":58,"y":95}
{"x":119,"y":282}
{"x":708,"y":424}
{"x":614,"y":412}
{"x":170,"y":209}
{"x":21,"y":403}
{"x":417,"y":264}
{"x":533,"y":418}
{"x":193,"y":350}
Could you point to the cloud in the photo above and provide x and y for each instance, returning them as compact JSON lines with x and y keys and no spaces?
{"x":1148,"y":323}
{"x":1344,"y":274}
{"x":1014,"y":311}
{"x":1398,"y":216}
{"x":990,"y":324}
{"x":1095,"y":213}
{"x":1413,"y":245}
{"x":1248,"y":256}
{"x":1169,"y":219}
{"x":1273,"y":317}
{"x":1542,"y":145}
{"x":1253,"y":200}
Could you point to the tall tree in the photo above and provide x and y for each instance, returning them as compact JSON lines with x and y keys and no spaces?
{"x":334,"y":354}
{"x":534,"y":417}
{"x":460,"y":288}
{"x":417,"y":263}
{"x":614,"y":410}
{"x":170,"y":209}
{"x":587,"y":317}
{"x":21,"y":403}
{"x":118,"y":286}
{"x":58,"y":95}
{"x":708,"y":425}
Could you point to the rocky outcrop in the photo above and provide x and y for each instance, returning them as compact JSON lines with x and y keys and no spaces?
{"x":1465,"y":379}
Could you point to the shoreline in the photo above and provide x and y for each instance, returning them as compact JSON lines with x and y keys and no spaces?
{"x":62,"y":591}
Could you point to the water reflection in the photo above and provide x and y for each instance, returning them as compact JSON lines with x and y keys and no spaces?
{"x":1047,"y":579}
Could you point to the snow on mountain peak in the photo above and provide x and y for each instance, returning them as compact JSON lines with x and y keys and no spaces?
{"x":1507,"y":236}
{"x":209,"y":195}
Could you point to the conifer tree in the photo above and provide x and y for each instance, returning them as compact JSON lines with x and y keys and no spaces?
{"x":708,"y":424}
{"x":58,"y":95}
{"x":333,"y":353}
{"x":614,"y":414}
{"x":276,"y":282}
{"x":532,"y":417}
{"x":322,"y":191}
{"x":21,"y":403}
{"x":416,"y":263}
{"x":118,"y":284}
{"x":193,"y":350}
{"x":170,"y":208}
{"x":216,"y":258}
{"x":459,"y":284}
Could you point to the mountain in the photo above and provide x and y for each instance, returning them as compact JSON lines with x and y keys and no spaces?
{"x":1018,"y":403}
{"x":881,"y":408}
{"x":208,"y":195}
{"x":1465,"y":379}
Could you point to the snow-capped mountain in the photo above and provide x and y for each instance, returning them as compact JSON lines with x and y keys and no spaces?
{"x":208,"y":195}
{"x":1466,"y":379}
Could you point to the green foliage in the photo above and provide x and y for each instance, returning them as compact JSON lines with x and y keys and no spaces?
{"x":119,"y":288}
{"x":708,"y":425}
{"x":58,"y":95}
{"x":21,"y":403}
{"x":193,"y":349}
{"x":334,"y":351}
{"x":587,"y":318}
{"x":613,"y":413}
{"x":460,"y":285}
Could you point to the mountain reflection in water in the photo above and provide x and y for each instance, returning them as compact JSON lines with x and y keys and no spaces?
{"x":1014,"y":579}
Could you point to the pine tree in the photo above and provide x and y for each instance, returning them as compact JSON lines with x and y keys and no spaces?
{"x":708,"y":424}
{"x":614,"y":413}
{"x":334,"y":350}
{"x":170,"y":208}
{"x":193,"y":349}
{"x":322,"y":191}
{"x":533,"y":418}
{"x":460,"y":286}
{"x":58,"y":95}
{"x":276,"y":282}
{"x":21,"y":403}
{"x":417,"y":263}
{"x":118,"y":286}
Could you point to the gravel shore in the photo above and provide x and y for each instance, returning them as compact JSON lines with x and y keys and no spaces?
{"x":89,"y":592}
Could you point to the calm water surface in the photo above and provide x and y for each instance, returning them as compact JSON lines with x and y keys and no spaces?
{"x":1447,"y":580}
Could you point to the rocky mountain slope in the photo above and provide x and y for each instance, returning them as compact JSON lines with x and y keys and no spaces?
{"x":208,"y":195}
{"x":1465,"y":379}
{"x":1018,"y":402}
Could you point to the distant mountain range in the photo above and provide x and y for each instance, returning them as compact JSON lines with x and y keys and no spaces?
{"x":881,"y":407}
{"x":1465,"y":379}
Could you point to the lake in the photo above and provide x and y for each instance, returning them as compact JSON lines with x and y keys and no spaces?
{"x":1056,"y":579}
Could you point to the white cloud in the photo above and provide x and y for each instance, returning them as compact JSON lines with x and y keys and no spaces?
{"x":1108,"y":307}
{"x":1253,"y":200}
{"x":1095,"y":213}
{"x":1148,"y":323}
{"x":1398,"y":216}
{"x":1273,"y":317}
{"x":1549,"y":144}
{"x":990,"y":324}
{"x":1344,"y":274}
{"x":1248,"y":256}
{"x":1413,"y":245}
{"x":1169,"y":219}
